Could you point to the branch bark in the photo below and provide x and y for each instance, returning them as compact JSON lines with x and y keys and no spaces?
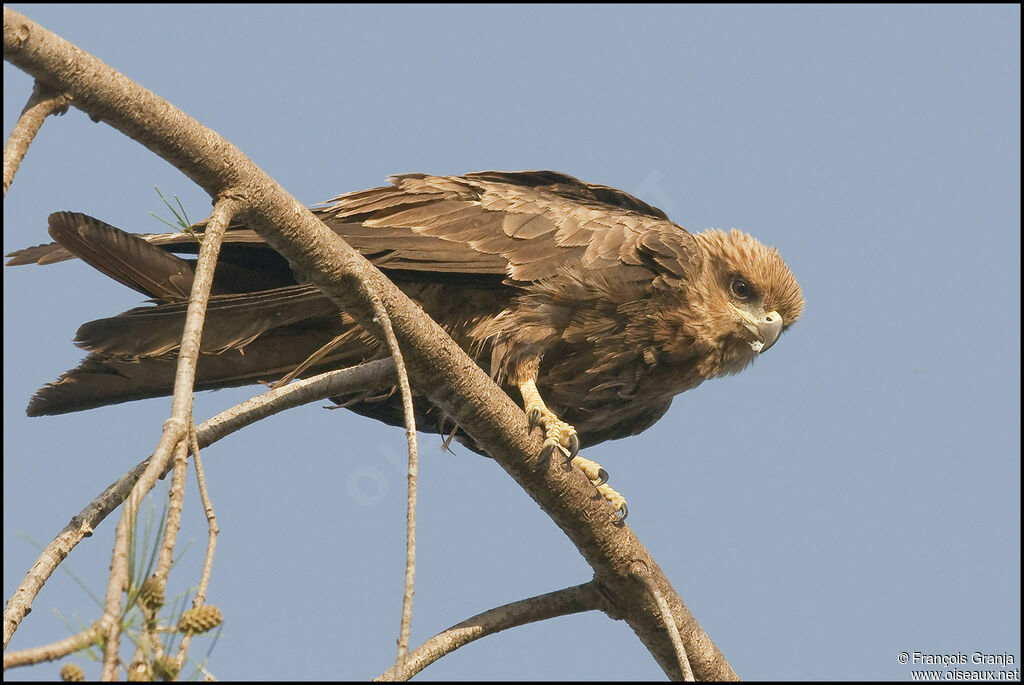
{"x":571,"y":600}
{"x":437,"y":367}
{"x":42,"y":103}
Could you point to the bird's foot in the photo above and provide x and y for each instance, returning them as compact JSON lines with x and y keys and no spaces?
{"x":561,"y":436}
{"x":557,"y":433}
{"x":599,"y":477}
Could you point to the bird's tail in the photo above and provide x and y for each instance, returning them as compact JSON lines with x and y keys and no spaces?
{"x":248,"y":337}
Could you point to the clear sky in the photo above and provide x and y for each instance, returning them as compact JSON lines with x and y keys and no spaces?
{"x":853,"y":495}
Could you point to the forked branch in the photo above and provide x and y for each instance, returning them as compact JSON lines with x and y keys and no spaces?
{"x":369,"y":376}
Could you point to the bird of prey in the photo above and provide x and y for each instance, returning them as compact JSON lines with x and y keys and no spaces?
{"x":587,"y":301}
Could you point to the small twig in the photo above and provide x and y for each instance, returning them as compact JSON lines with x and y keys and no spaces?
{"x":375,"y":374}
{"x":42,"y":103}
{"x":211,"y":517}
{"x":176,"y":498}
{"x":384,"y":320}
{"x":570,"y":600}
{"x":673,"y":634}
{"x":147,"y":646}
{"x":54,"y":650}
{"x":211,"y":544}
{"x":175,"y":428}
{"x":640,"y":572}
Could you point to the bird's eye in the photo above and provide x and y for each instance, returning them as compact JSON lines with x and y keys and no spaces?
{"x":741,"y":288}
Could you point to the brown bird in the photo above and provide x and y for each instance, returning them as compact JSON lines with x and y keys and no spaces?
{"x":576,"y":293}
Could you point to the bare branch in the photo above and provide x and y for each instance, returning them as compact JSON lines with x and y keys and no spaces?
{"x":42,"y":103}
{"x":410,"y":436}
{"x":175,"y":428}
{"x":369,"y":376}
{"x":571,"y":600}
{"x":211,"y":518}
{"x":673,"y":633}
{"x":118,"y":580}
{"x":211,"y":545}
{"x":54,"y":650}
{"x":148,"y":644}
{"x":173,"y":522}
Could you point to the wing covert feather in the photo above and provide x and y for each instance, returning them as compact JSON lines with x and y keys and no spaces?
{"x":527,"y":225}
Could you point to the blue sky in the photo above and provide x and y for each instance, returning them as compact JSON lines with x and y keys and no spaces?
{"x":853,"y":495}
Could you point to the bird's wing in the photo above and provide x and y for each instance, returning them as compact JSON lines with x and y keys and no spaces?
{"x":525,"y":226}
{"x":51,"y":253}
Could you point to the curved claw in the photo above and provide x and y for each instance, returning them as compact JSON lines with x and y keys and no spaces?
{"x":532,"y":419}
{"x":602,"y":477}
{"x":574,"y":446}
{"x":547,"y":449}
{"x":623,"y":512}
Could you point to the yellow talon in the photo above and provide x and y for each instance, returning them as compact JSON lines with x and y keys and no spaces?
{"x":561,"y":435}
{"x":558,"y":433}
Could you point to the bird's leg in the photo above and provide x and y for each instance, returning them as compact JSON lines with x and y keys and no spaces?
{"x":558,"y":433}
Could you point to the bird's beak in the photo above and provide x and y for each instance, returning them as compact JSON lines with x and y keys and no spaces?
{"x":769,"y":327}
{"x":765,"y":327}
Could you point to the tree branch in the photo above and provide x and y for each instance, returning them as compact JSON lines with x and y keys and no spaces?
{"x":40,"y":105}
{"x":369,"y":376}
{"x":410,"y":436}
{"x":53,"y":651}
{"x":175,"y":428}
{"x":211,"y":544}
{"x":571,"y":600}
{"x":437,"y":366}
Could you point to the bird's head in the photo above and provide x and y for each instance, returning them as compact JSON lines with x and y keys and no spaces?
{"x":748,"y":297}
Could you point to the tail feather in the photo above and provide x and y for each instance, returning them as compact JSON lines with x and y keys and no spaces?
{"x":254,"y":331}
{"x":101,"y":379}
{"x":124,"y":257}
{"x":260,"y":325}
{"x":232,"y":322}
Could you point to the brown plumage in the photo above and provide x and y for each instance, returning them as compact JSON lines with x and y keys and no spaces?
{"x":595,"y":295}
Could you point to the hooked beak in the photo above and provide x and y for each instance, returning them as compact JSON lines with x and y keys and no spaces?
{"x":765,"y":327}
